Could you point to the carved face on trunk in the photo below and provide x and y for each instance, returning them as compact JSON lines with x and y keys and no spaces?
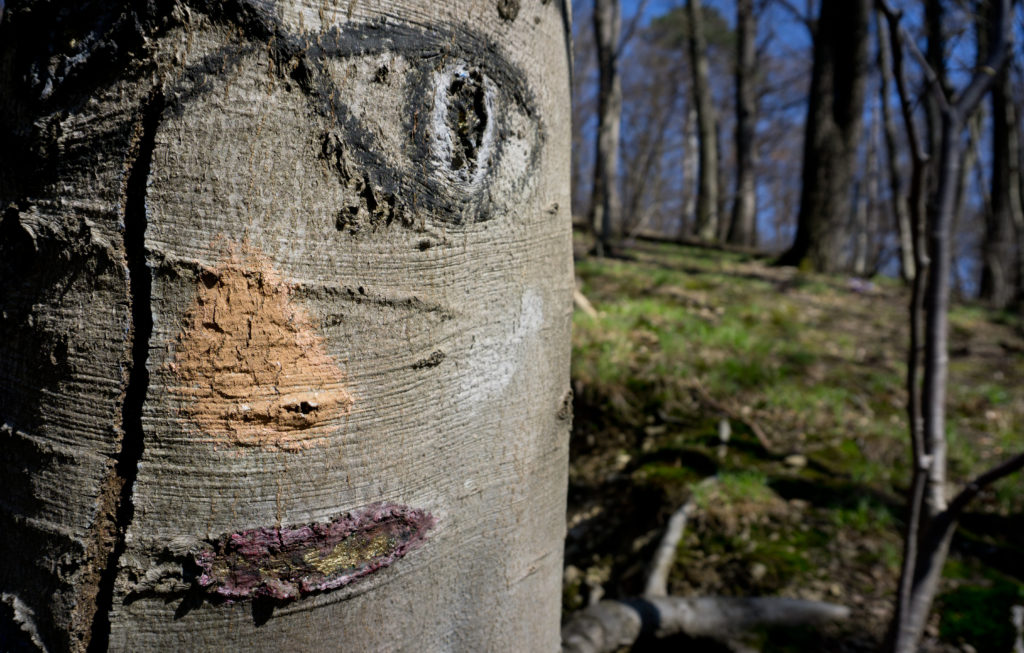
{"x":377,"y":137}
{"x":352,"y":257}
{"x":297,"y":280}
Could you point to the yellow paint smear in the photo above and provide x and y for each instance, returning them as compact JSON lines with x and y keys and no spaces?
{"x":253,"y":369}
{"x":349,"y":555}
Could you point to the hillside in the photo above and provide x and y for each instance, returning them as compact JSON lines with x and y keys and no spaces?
{"x":804,"y":375}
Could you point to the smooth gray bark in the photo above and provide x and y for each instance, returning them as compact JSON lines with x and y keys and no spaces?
{"x":284,"y":335}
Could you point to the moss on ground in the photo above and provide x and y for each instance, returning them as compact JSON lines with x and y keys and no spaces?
{"x":690,"y":341}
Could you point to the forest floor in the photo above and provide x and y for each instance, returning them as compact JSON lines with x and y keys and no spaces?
{"x":688,"y":342}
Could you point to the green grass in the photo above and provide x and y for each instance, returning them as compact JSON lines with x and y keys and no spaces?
{"x":821,"y":370}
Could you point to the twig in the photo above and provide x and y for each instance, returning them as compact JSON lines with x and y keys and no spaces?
{"x":971,"y":490}
{"x":665,"y":555}
{"x":754,"y":427}
{"x":807,"y":21}
{"x":582,"y":303}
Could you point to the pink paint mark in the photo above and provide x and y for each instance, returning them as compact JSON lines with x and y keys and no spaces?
{"x":287,"y":563}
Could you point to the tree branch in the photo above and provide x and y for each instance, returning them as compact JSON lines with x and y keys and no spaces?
{"x":806,"y":20}
{"x":609,"y":625}
{"x":899,"y":33}
{"x":971,"y":490}
{"x":665,"y":555}
{"x":982,"y":79}
{"x":628,"y":33}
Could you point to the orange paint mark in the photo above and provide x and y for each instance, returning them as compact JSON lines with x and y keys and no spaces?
{"x":252,"y":367}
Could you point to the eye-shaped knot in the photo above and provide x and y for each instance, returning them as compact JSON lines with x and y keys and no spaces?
{"x":462,"y":125}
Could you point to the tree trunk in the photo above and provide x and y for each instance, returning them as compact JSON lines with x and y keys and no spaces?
{"x":285,"y":322}
{"x":998,"y":252}
{"x":900,"y":210}
{"x":932,"y":520}
{"x":605,"y":203}
{"x":743,"y":224}
{"x":935,"y":55}
{"x":707,"y":173}
{"x":1016,"y":194}
{"x":833,"y":126}
{"x":691,"y":162}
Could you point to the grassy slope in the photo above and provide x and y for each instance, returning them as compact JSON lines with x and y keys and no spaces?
{"x":687,"y":339}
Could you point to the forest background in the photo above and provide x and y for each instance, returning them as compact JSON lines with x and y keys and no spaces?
{"x":696,"y":355}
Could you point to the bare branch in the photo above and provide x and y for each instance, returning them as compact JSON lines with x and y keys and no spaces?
{"x":665,"y":555}
{"x":754,"y":427}
{"x":806,"y":19}
{"x":900,"y":34}
{"x":997,"y":55}
{"x":971,"y":490}
{"x":609,"y":625}
{"x":627,"y":34}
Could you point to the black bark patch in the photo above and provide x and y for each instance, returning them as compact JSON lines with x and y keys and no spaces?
{"x":140,"y":283}
{"x":431,"y":361}
{"x":466,"y":119}
{"x":508,"y":9}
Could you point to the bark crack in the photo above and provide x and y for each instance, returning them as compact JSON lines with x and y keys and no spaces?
{"x":125,"y":469}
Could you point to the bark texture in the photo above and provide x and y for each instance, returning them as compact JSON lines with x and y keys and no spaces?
{"x":833,"y":126}
{"x":287,"y":294}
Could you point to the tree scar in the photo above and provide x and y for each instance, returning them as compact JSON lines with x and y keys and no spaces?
{"x":292,"y":562}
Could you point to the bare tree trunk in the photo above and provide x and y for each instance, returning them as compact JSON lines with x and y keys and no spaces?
{"x":932,"y":520}
{"x":691,"y":162}
{"x":999,"y":267}
{"x":264,"y":382}
{"x":743,"y":224}
{"x":605,"y":201}
{"x":935,"y":55}
{"x":582,"y":109}
{"x":833,"y":126}
{"x":707,"y":174}
{"x":1016,"y":193}
{"x":900,"y":211}
{"x":866,"y":200}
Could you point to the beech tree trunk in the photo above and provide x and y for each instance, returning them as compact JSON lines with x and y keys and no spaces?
{"x":707,"y":226}
{"x":605,"y":202}
{"x":743,"y":223}
{"x":284,"y":334}
{"x":834,"y":117}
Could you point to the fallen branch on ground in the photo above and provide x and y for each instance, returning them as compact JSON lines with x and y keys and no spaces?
{"x":736,"y":415}
{"x":582,"y":303}
{"x":610,"y":625}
